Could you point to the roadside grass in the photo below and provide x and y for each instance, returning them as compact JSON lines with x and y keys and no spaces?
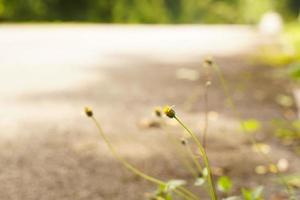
{"x":286,"y":51}
{"x":217,"y":187}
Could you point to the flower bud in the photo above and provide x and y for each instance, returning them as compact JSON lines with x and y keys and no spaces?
{"x":183,"y":141}
{"x":88,"y":111}
{"x":157,"y":111}
{"x":208,"y":61}
{"x":168,"y":110}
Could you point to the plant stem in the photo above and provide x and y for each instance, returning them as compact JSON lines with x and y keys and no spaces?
{"x":237,"y":114}
{"x":205,"y":116}
{"x":181,"y":191}
{"x":179,"y":151}
{"x":185,"y":161}
{"x":207,"y":70}
{"x":191,"y":100}
{"x":194,"y":158}
{"x":202,"y":151}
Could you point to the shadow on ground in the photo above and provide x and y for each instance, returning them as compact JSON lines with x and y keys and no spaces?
{"x":64,"y":158}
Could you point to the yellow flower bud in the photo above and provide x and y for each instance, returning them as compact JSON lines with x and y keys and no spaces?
{"x":168,"y":110}
{"x":208,"y":61}
{"x":88,"y":111}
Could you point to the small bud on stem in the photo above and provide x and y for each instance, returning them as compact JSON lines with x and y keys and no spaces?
{"x":168,"y":110}
{"x":157,"y":111}
{"x":88,"y":111}
{"x":183,"y":141}
{"x":208,"y":61}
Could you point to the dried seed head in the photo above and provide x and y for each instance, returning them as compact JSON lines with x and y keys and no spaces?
{"x":168,"y":110}
{"x":183,"y":141}
{"x":208,"y":61}
{"x":157,"y":111}
{"x":88,"y":111}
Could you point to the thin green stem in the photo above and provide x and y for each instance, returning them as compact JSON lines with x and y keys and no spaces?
{"x":191,"y":100}
{"x":181,"y":191}
{"x":207,"y":70}
{"x":179,"y":151}
{"x":188,"y":193}
{"x":212,"y":189}
{"x":194,"y":158}
{"x":185,"y":161}
{"x":237,"y":114}
{"x":205,"y":116}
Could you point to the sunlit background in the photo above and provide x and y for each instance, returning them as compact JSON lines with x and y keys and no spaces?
{"x":145,"y":11}
{"x":123,"y":58}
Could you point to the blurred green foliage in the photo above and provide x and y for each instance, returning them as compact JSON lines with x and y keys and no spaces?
{"x":253,"y":194}
{"x":288,"y":132}
{"x":292,"y":35}
{"x":145,"y":11}
{"x":251,"y":125}
{"x":224,"y":184}
{"x":286,"y":53}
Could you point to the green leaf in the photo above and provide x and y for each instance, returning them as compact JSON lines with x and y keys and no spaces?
{"x":199,"y":181}
{"x":224,"y":184}
{"x":161,"y":189}
{"x":255,"y":194}
{"x":247,"y":194}
{"x":162,"y":193}
{"x":168,"y":197}
{"x":251,"y":125}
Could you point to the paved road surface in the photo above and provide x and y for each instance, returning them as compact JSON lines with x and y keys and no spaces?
{"x":54,"y":58}
{"x":49,"y":72}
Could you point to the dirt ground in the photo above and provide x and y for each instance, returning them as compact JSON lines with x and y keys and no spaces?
{"x":59,"y":154}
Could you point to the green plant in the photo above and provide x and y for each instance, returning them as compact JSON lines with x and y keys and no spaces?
{"x":288,"y":132}
{"x":177,"y":188}
{"x":181,"y":148}
{"x":251,"y":126}
{"x":253,"y":194}
{"x":203,"y":174}
{"x":170,"y":112}
{"x":166,"y":189}
{"x":224,"y":184}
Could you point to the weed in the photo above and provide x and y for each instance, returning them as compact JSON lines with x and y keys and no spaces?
{"x":170,"y":112}
{"x":203,"y":174}
{"x":178,"y":189}
{"x":245,"y":128}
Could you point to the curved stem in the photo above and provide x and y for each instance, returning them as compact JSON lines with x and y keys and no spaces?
{"x":194,"y":158}
{"x":179,"y":151}
{"x":212,"y":189}
{"x":205,"y":116}
{"x":237,"y":114}
{"x":180,"y":191}
{"x":185,"y":161}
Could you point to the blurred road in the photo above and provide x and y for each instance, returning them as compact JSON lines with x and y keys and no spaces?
{"x":52,"y":58}
{"x":48,"y":73}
